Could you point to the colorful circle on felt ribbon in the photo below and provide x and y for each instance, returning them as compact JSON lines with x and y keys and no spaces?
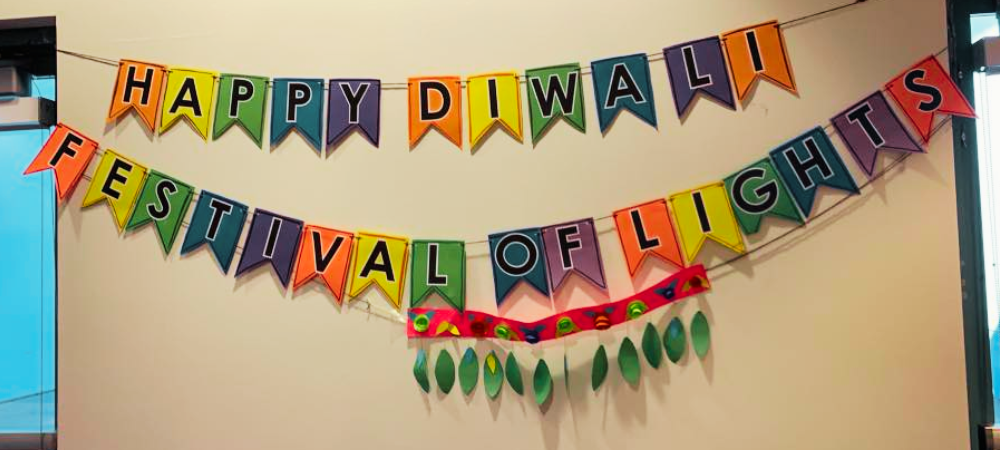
{"x":503,"y":332}
{"x":421,"y":323}
{"x":636,"y":309}
{"x":602,"y":321}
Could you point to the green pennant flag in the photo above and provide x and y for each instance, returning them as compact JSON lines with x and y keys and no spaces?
{"x":757,"y":191}
{"x":555,"y":92}
{"x":438,"y":267}
{"x":163,"y":200}
{"x":242,"y":100}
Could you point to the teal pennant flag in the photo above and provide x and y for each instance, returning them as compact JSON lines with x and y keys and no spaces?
{"x":518,"y":256}
{"x":808,"y":162}
{"x":218,"y":222}
{"x":298,"y":104}
{"x":623,"y":83}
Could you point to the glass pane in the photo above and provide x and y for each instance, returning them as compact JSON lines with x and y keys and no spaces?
{"x":27,"y":282}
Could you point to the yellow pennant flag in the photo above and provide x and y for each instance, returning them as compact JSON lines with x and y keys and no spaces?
{"x":705,"y":212}
{"x":188,"y":94}
{"x":494,"y":98}
{"x":117,"y":180}
{"x":381,"y":260}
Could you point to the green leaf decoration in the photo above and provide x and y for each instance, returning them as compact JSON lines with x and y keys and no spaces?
{"x":492,"y":375}
{"x":599,"y":369}
{"x":651,"y":346}
{"x":628,"y":362}
{"x":468,"y":371}
{"x":674,"y":340}
{"x":514,"y":374}
{"x":444,"y":371}
{"x":543,"y":382}
{"x":701,"y":338}
{"x":420,"y":371}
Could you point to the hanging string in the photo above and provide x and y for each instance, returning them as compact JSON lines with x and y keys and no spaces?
{"x":652,"y":56}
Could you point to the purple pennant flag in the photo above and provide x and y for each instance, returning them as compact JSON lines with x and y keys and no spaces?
{"x":272,"y":238}
{"x":698,"y":66}
{"x":572,"y":247}
{"x":869,"y":126}
{"x":353,"y":103}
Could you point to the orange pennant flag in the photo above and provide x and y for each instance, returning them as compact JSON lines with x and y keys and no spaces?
{"x":138,"y":87}
{"x":325,"y":253}
{"x":758,"y":51}
{"x":924,"y":90}
{"x":68,"y":153}
{"x":644,"y":230}
{"x":435,"y":102}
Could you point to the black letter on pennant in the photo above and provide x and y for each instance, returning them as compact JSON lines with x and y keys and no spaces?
{"x":115,"y":175}
{"x":187,"y":90}
{"x":910,"y":82}
{"x":426,"y":115}
{"x":622,"y":85}
{"x":161,"y":209}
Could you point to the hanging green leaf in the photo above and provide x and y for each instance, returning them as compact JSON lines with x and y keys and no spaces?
{"x":599,"y":369}
{"x":514,"y":374}
{"x":492,"y":375}
{"x":701,"y":338}
{"x":420,"y":371}
{"x":674,"y":340}
{"x":444,"y":371}
{"x":651,"y":346}
{"x":468,"y":371}
{"x":543,"y":382}
{"x":628,"y":362}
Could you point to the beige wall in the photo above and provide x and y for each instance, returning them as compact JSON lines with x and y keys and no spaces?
{"x":847,"y":335}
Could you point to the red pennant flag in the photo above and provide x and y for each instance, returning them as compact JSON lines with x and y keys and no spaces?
{"x":67,"y":153}
{"x":926,"y":89}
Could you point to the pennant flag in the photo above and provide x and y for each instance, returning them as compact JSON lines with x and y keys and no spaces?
{"x":758,"y":51}
{"x":137,"y":87}
{"x":518,"y":255}
{"x":698,"y":66}
{"x":572,"y":247}
{"x":757,"y":191}
{"x":924,"y":90}
{"x":438,"y":267}
{"x":242,"y":100}
{"x":869,"y":126}
{"x":164,"y":201}
{"x":217,"y":221}
{"x":117,"y":180}
{"x":189,"y":95}
{"x":272,"y":239}
{"x":435,"y":102}
{"x":494,"y":98}
{"x":646,"y":230}
{"x":325,"y":253}
{"x":623,"y":83}
{"x":67,"y":153}
{"x":380,"y":260}
{"x":298,"y":104}
{"x":555,"y":92}
{"x":704,"y":213}
{"x":808,"y":162}
{"x":353,"y":104}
